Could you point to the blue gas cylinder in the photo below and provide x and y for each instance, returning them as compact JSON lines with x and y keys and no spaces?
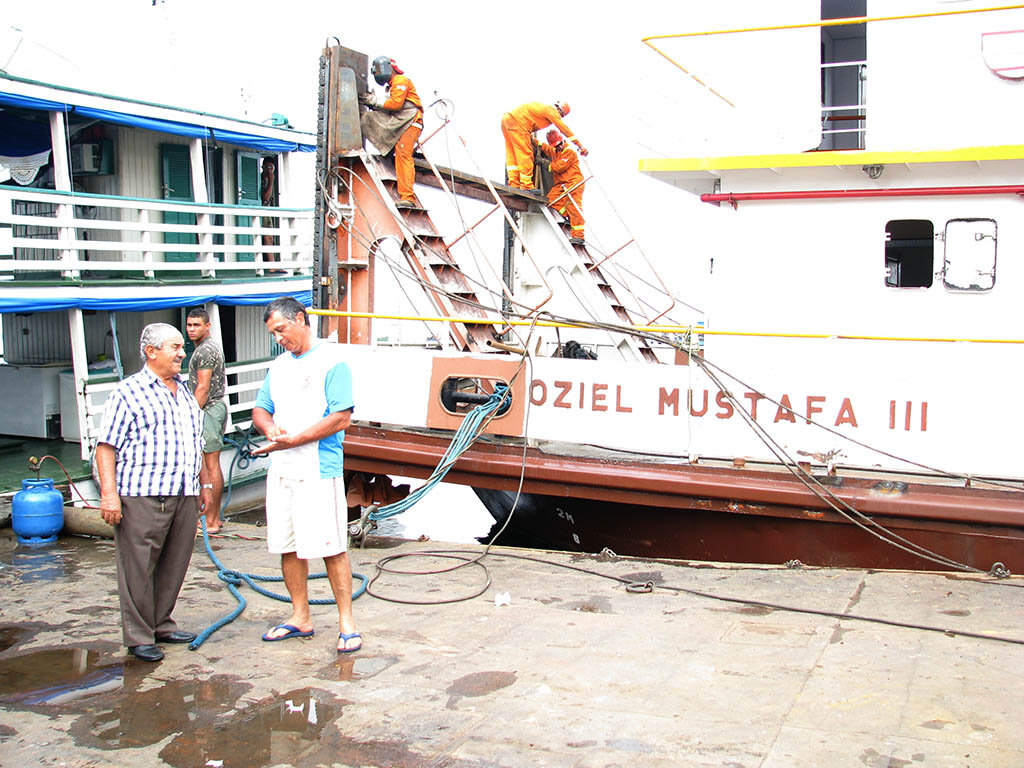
{"x":37,"y":514}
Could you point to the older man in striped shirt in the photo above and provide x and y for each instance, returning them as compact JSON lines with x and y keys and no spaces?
{"x":150,"y":464}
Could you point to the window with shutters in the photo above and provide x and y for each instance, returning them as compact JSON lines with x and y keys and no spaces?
{"x":247,"y":176}
{"x":176,"y":166}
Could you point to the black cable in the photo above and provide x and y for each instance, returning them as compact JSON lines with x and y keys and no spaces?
{"x":631,"y":585}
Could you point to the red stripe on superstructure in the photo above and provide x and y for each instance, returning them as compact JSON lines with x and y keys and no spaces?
{"x":826,"y":194}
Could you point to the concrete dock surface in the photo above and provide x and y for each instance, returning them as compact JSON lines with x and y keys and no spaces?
{"x":568,"y":669}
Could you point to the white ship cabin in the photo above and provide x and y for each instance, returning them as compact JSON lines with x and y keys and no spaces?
{"x":115,"y":213}
{"x":865,"y":187}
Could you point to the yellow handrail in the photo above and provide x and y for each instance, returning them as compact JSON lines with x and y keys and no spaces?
{"x":659,"y":328}
{"x":823,"y":23}
{"x":834,"y":22}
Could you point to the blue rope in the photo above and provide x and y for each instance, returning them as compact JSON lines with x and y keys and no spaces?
{"x":464,"y":437}
{"x":235,"y":579}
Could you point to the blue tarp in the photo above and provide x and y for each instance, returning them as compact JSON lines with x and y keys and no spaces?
{"x":176,"y":128}
{"x":149,"y":123}
{"x":21,"y":304}
{"x":271,"y":145}
{"x":20,"y":138}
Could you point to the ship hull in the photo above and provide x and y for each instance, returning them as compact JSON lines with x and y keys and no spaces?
{"x":650,"y":506}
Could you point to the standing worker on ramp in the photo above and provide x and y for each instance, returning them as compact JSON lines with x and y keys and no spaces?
{"x":401,"y":95}
{"x":566,"y":194}
{"x":518,"y":127}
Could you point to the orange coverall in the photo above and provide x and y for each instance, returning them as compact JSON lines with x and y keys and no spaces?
{"x":401,"y":90}
{"x":518,"y":127}
{"x":565,"y":168}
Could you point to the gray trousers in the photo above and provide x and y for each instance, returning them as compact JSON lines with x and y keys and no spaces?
{"x":154,"y":541}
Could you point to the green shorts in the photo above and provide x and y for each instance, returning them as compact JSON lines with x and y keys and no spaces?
{"x":215,"y":416}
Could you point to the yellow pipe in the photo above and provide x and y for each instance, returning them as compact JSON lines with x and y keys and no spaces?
{"x":823,"y":23}
{"x":835,"y":22}
{"x":655,"y":328}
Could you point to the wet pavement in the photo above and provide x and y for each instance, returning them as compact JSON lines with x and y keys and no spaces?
{"x":575,"y":670}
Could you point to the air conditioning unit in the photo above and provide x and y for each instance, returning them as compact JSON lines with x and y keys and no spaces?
{"x":86,"y":158}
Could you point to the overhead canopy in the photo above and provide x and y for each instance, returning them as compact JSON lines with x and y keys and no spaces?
{"x":53,"y":304}
{"x":193,"y":130}
{"x":20,"y":138}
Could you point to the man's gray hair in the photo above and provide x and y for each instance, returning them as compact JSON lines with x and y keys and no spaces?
{"x":288,"y":307}
{"x":154,"y":335}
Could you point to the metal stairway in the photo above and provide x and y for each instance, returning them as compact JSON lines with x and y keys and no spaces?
{"x":588,"y":278}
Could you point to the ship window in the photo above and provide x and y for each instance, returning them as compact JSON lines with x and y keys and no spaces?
{"x":970,"y":257}
{"x":909,"y":253}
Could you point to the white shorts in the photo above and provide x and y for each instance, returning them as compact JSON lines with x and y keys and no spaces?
{"x":308,"y":517}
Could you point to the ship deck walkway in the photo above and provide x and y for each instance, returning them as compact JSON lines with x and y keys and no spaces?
{"x":574,"y":671}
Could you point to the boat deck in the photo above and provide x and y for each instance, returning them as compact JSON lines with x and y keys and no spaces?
{"x":574,"y":671}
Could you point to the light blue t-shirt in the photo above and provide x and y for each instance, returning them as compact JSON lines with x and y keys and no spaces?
{"x":290,"y":392}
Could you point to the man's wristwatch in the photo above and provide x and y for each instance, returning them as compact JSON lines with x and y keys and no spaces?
{"x":207,"y":485}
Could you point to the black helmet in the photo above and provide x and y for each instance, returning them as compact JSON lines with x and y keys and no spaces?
{"x":381,"y":70}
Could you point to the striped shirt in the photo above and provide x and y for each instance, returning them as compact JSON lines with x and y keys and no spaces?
{"x":157,"y":436}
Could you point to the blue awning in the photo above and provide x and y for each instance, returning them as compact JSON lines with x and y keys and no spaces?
{"x":174,"y":127}
{"x":21,"y":138}
{"x":23,"y":305}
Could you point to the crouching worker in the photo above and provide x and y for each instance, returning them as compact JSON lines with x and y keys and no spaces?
{"x":303,"y":408}
{"x":566,"y":193}
{"x":149,"y":459}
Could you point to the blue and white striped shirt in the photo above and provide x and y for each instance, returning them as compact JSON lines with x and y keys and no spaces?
{"x":157,"y":436}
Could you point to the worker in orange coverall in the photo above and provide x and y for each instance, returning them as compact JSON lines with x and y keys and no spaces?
{"x":401,"y":93}
{"x":566,"y":194}
{"x":518,"y":127}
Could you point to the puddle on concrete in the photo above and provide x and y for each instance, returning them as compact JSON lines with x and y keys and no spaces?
{"x":122,"y":704}
{"x":60,"y":561}
{"x":481,"y":683}
{"x":346,"y":668}
{"x":12,"y":634}
{"x":57,"y":676}
{"x":477,"y":684}
{"x":591,"y":605}
{"x":746,"y":610}
{"x":277,"y":731}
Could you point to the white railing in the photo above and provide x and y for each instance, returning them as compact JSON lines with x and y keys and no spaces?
{"x":829,"y":116}
{"x":76,"y":232}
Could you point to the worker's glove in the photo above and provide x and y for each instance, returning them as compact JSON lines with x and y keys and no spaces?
{"x":583,"y":150}
{"x":369,"y":99}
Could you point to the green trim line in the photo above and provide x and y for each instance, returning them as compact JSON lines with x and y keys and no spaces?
{"x":93,"y":196}
{"x":830,"y":158}
{"x":66,"y":89}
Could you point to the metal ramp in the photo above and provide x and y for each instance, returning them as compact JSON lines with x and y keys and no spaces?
{"x":357,"y":212}
{"x":587,"y":277}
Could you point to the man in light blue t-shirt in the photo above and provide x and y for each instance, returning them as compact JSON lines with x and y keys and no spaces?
{"x":303,"y":407}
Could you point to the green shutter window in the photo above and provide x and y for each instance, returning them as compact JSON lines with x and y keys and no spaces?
{"x":247,"y":178}
{"x":176,"y":165}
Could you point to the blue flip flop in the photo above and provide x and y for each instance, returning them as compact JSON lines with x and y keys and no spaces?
{"x":346,"y":637}
{"x":293,"y":631}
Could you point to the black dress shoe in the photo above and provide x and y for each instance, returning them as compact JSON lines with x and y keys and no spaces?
{"x":177,"y":636}
{"x":146,"y":652}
